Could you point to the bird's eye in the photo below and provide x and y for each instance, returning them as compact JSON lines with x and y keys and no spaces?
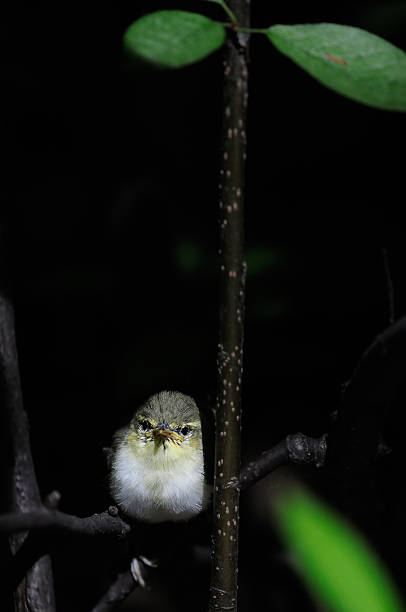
{"x":185,"y":430}
{"x":146,"y":425}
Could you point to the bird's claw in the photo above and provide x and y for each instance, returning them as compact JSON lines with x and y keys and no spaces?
{"x":138,"y":565}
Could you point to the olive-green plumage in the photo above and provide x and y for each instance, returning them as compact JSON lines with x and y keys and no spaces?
{"x":157,"y":467}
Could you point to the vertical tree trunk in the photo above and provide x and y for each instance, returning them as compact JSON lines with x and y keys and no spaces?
{"x":223,"y":589}
{"x":35,"y":592}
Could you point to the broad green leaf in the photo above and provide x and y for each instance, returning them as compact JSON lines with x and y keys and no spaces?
{"x":335,"y":561}
{"x":353,"y":62}
{"x":173,"y":39}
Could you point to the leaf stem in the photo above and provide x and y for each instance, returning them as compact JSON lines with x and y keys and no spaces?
{"x":229,"y":12}
{"x":251,"y":30}
{"x":237,"y":28}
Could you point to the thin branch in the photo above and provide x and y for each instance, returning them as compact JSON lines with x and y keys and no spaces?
{"x":117,"y":592}
{"x":223,"y":588}
{"x":105,"y":523}
{"x":36,"y":590}
{"x":295,"y":448}
{"x":372,"y":395}
{"x":33,"y":548}
{"x":389,"y":282}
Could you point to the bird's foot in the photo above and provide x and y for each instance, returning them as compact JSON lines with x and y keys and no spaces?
{"x":138,"y":569}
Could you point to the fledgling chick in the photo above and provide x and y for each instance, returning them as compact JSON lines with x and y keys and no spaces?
{"x":157,"y":471}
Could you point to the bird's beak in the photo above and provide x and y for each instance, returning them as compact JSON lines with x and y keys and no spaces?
{"x":162,"y":436}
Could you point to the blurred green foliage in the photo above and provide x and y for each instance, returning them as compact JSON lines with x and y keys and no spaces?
{"x":172,"y":39}
{"x":337,"y":564}
{"x":189,"y":256}
{"x":261,"y":259}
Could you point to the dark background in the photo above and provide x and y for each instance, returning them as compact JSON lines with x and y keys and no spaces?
{"x":109,"y":240}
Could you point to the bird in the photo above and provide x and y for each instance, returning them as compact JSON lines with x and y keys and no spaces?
{"x":157,"y":466}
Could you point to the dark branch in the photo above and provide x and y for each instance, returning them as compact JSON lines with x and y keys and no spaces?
{"x":32,"y":549}
{"x":223,"y":589}
{"x":97,"y":524}
{"x":374,"y":394}
{"x":118,"y":591}
{"x":295,"y":448}
{"x":22,"y":494}
{"x":389,"y":282}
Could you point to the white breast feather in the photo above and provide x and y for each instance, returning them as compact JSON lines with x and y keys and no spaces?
{"x":156,"y":490}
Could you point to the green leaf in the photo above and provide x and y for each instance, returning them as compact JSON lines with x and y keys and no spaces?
{"x":353,"y":62}
{"x":335,"y":561}
{"x":173,"y":39}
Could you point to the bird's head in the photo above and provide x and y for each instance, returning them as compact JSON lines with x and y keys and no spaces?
{"x":166,"y":428}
